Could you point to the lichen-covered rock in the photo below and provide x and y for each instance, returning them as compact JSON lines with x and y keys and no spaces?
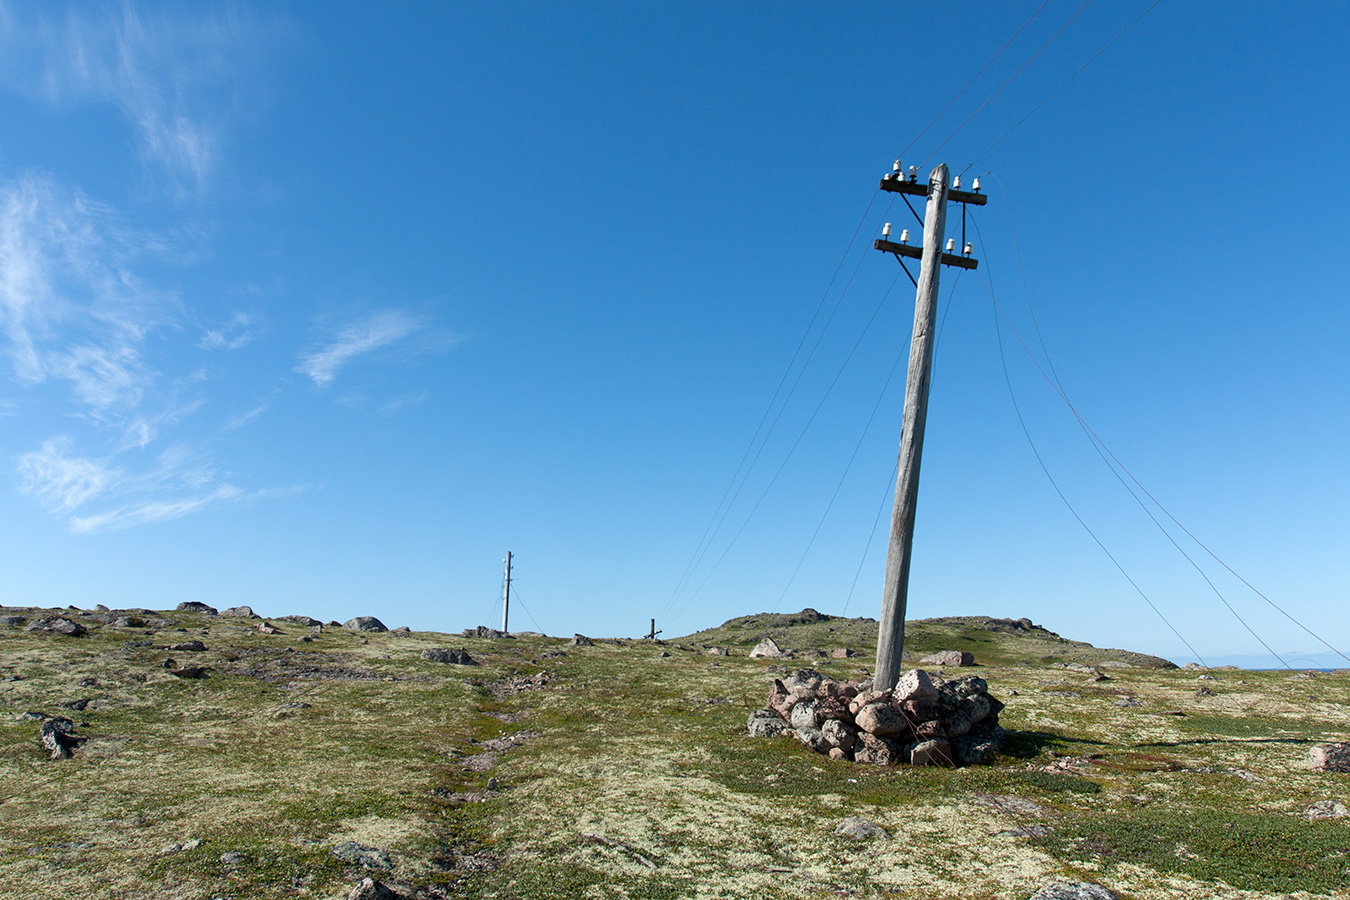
{"x":1327,"y":809}
{"x":1072,"y":890}
{"x":882,"y":719}
{"x":840,"y":734}
{"x":188,"y":647}
{"x":765,"y":723}
{"x":977,"y":748}
{"x":447,"y":655}
{"x":362,"y":855}
{"x":860,"y":829}
{"x":863,"y":698}
{"x":194,"y":606}
{"x":767,"y":649}
{"x":240,"y":612}
{"x":58,"y":736}
{"x":364,"y":623}
{"x":56,"y":625}
{"x":950,"y":658}
{"x":828,"y":708}
{"x":878,"y":750}
{"x":931,"y":753}
{"x":813,"y":738}
{"x":916,"y":684}
{"x":370,"y":889}
{"x":306,"y":621}
{"x":580,"y":640}
{"x":1330,"y":758}
{"x":803,"y":715}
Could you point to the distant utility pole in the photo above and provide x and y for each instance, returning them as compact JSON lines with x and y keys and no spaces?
{"x":654,"y":632}
{"x":895,"y":592}
{"x":506,"y":593}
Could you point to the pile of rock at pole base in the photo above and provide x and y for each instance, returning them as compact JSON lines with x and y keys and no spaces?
{"x":924,"y":720}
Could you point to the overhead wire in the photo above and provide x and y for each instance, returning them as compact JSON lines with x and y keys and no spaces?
{"x":1104,"y":451}
{"x":1066,"y":81}
{"x":805,"y":428}
{"x":959,"y":93}
{"x":1011,"y":77}
{"x":1054,"y":484}
{"x":715,"y":524}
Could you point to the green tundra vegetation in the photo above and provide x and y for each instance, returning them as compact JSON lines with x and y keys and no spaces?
{"x":623,"y":769}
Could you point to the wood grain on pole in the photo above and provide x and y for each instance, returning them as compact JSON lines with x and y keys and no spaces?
{"x":895,"y":593}
{"x":506,"y":594}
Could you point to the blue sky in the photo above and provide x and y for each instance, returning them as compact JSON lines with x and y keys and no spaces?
{"x":323,"y":312}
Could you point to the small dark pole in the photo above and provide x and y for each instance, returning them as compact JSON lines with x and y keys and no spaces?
{"x":654,"y":632}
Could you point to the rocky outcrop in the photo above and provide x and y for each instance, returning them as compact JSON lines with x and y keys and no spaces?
{"x":482,"y":631}
{"x":364,"y":623}
{"x":58,"y":736}
{"x":950,"y":658}
{"x":194,"y":606}
{"x":56,"y":625}
{"x":767,"y":649}
{"x":241,"y":612}
{"x":1330,"y":758}
{"x":923,"y":720}
{"x":580,"y":640}
{"x":446,"y":655}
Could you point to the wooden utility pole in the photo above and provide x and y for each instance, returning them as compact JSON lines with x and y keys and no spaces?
{"x":895,"y":593}
{"x":506,"y":594}
{"x":654,"y":632}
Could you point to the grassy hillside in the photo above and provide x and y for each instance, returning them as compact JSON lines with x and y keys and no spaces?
{"x":622,"y":770}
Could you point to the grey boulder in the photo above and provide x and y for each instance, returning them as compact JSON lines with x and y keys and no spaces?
{"x":446,"y":655}
{"x":860,"y":829}
{"x":765,"y":723}
{"x":1072,"y":890}
{"x":364,"y":623}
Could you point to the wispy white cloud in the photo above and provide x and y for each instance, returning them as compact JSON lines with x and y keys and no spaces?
{"x":61,"y":480}
{"x":148,"y":511}
{"x":241,"y":419}
{"x":164,"y":72}
{"x":70,"y":307}
{"x":357,"y":339}
{"x":392,"y":406}
{"x":238,"y":331}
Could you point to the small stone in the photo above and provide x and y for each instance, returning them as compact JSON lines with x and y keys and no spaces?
{"x":813,"y":738}
{"x":916,"y":684}
{"x":860,"y":829}
{"x":402,"y":629}
{"x":58,"y":736}
{"x":1327,"y":809}
{"x":765,"y":723}
{"x":364,"y":623}
{"x":1072,"y":890}
{"x":188,"y":647}
{"x":1126,"y":703}
{"x":864,"y":698}
{"x":1204,"y":692}
{"x":446,"y":655}
{"x":362,"y":855}
{"x":843,"y":653}
{"x":370,"y":889}
{"x":268,"y":628}
{"x":580,"y":640}
{"x":190,"y":672}
{"x":233,"y":858}
{"x":77,"y":705}
{"x":931,"y":753}
{"x":717,"y":651}
{"x":1330,"y":757}
{"x":665,"y":654}
{"x":767,"y":649}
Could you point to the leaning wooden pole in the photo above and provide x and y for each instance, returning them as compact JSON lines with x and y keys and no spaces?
{"x":895,"y":594}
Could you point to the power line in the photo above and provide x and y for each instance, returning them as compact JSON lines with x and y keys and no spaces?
{"x":1152,"y":518}
{"x":1062,"y":85}
{"x":1006,"y":83}
{"x":1017,"y":409}
{"x":974,"y":79}
{"x":791,"y":450}
{"x":715,"y":524}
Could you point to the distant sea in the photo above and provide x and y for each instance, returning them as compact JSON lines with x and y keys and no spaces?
{"x":1325,"y":661}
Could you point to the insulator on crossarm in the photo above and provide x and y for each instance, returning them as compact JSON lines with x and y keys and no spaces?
{"x":886,"y":230}
{"x":896,"y":167}
{"x":951,"y":245}
{"x":904,"y":235}
{"x":956,"y":183}
{"x":975,"y":185}
{"x":967,"y":250}
{"x":913,"y":173}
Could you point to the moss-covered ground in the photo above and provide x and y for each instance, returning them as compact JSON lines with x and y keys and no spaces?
{"x":631,"y":775}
